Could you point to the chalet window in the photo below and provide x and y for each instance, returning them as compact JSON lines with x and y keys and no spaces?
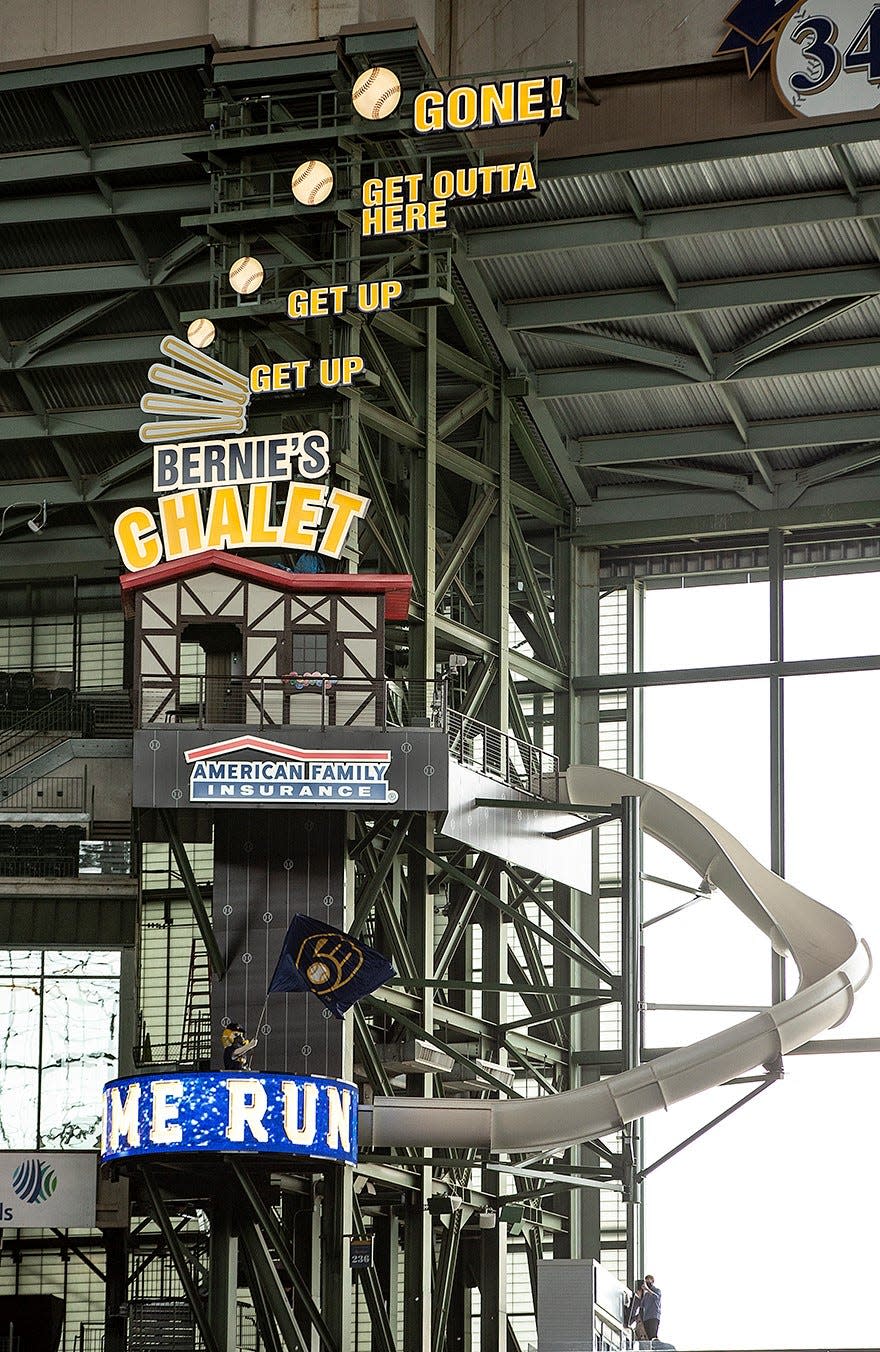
{"x":309,"y":652}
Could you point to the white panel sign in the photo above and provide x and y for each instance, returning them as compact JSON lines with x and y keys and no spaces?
{"x":827,"y":58}
{"x":40,"y":1188}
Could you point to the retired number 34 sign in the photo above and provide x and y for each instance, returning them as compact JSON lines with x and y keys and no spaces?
{"x":826,"y":58}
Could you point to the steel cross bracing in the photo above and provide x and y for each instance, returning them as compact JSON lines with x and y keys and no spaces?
{"x":704,"y":328}
{"x":466,"y":474}
{"x":95,"y":269}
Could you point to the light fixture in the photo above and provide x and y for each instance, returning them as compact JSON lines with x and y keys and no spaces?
{"x":36,"y":522}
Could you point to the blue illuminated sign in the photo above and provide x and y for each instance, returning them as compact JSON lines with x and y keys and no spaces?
{"x":218,"y":1111}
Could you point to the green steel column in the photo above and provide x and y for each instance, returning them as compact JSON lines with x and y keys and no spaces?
{"x":115,"y":1289}
{"x":577,"y":742}
{"x":630,"y":894}
{"x":423,"y":500}
{"x":336,"y":1227}
{"x":386,"y":1257}
{"x":496,"y":618}
{"x":777,"y":737}
{"x":418,"y":1243}
{"x":493,"y":1243}
{"x":223,"y":1273}
{"x":418,"y":903}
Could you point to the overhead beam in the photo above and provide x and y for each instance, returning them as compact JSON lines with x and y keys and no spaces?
{"x":789,"y":137}
{"x":511,"y":356}
{"x":47,"y":166}
{"x":615,"y":520}
{"x":90,"y":352}
{"x":806,"y":359}
{"x":693,"y":297}
{"x":172,"y":199}
{"x":90,"y":278}
{"x":836,"y":429}
{"x":660,"y":226}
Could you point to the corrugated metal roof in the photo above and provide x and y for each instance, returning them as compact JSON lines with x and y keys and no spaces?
{"x":826,"y":392}
{"x":557,"y":199}
{"x":604,"y":268}
{"x":54,"y":243}
{"x":639,"y":410}
{"x":114,"y":385}
{"x":747,"y":253}
{"x":30,"y":120}
{"x":139,"y":104}
{"x":731,"y":180}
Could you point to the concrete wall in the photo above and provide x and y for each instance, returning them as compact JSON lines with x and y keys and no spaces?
{"x":606,"y":36}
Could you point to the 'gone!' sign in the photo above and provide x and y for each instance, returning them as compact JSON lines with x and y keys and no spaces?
{"x":217,"y":1111}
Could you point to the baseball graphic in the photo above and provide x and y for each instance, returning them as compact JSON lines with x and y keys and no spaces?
{"x":376,"y":93}
{"x":312,"y":182}
{"x":246,"y":275}
{"x":201,"y":333}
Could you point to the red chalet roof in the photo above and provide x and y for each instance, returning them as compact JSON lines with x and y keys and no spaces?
{"x":395,"y":587}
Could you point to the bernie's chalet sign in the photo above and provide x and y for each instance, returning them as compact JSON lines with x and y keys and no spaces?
{"x":219,"y":488}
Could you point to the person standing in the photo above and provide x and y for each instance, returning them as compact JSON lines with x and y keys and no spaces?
{"x":650,"y":1307}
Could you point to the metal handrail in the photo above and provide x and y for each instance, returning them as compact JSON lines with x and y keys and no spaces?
{"x":502,"y":756}
{"x":49,"y":793}
{"x":301,"y":699}
{"x":16,"y":740}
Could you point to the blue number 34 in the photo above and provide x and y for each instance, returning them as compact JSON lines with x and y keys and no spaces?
{"x":818,"y":36}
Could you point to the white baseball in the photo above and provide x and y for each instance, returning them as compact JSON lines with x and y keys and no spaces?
{"x":201,"y":333}
{"x":246,"y":275}
{"x":376,"y":93}
{"x":312,"y":182}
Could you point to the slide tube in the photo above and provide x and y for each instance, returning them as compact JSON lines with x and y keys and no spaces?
{"x":832,"y":962}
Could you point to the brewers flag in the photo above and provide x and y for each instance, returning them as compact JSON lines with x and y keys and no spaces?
{"x":333,"y":965}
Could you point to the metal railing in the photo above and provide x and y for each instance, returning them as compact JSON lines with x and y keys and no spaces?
{"x":49,"y":793}
{"x":310,"y":699}
{"x":64,"y":716}
{"x":318,"y":700}
{"x":502,"y":756}
{"x":89,"y":1339}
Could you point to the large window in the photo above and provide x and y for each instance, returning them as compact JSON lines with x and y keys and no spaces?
{"x":59,"y":1014}
{"x":743,"y":1204}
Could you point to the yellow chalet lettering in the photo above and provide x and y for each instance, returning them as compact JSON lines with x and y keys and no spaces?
{"x":313,"y":518}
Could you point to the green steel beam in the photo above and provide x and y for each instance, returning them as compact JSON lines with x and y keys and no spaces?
{"x":804,"y":359}
{"x":846,"y":500}
{"x":698,"y":478}
{"x":81,"y":422}
{"x":464,"y":542}
{"x":90,"y":352}
{"x":790,"y":137}
{"x":46,"y":166}
{"x":89,"y":206}
{"x":513,"y":360}
{"x":179,"y":1258}
{"x":748,"y":671}
{"x":836,"y":429}
{"x":459,"y":636}
{"x":691,"y":222}
{"x":693,"y":297}
{"x":65,"y":327}
{"x":90,"y":278}
{"x":193,"y":893}
{"x":195,"y":55}
{"x":267,"y":1219}
{"x":783,"y":334}
{"x":535,"y":597}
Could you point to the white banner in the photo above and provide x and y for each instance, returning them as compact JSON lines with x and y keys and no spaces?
{"x":41,"y":1188}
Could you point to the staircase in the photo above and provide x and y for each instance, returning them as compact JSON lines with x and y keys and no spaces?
{"x":195,"y":1041}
